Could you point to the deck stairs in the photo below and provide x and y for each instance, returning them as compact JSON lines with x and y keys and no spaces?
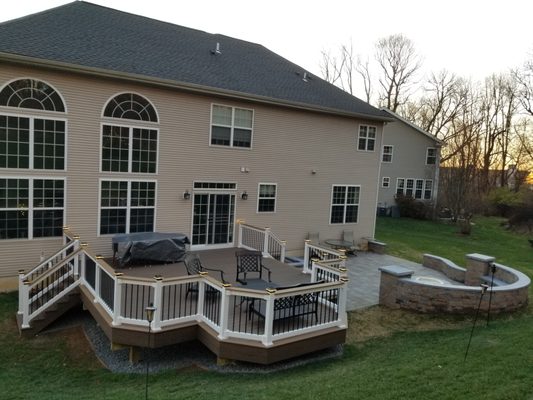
{"x":49,"y":290}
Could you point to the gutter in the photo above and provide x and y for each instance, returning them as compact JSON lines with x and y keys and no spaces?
{"x":184,"y":86}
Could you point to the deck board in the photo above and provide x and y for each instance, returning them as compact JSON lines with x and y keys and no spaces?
{"x":224,"y":259}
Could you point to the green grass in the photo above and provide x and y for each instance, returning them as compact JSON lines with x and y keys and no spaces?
{"x":403,"y":365}
{"x":410,"y":239}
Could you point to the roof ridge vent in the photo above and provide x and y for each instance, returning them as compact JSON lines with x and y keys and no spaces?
{"x":217,"y":51}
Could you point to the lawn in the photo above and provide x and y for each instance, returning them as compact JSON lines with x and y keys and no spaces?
{"x":410,"y":239}
{"x":389,"y":354}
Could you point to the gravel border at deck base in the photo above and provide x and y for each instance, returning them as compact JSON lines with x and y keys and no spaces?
{"x":175,"y":357}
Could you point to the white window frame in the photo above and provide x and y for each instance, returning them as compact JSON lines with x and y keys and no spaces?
{"x":128,"y":203}
{"x":232,"y":127}
{"x":432,"y":157}
{"x":419,"y":186}
{"x":366,"y":137}
{"x":358,"y":204}
{"x":385,"y":182}
{"x":410,"y":185}
{"x":130,"y":127}
{"x":387,"y":154}
{"x":32,"y":118}
{"x":31,"y":207}
{"x":430,"y":190}
{"x":402,"y":186}
{"x":259,"y":198}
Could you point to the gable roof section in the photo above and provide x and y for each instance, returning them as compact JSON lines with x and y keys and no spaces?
{"x":438,"y":142}
{"x":90,"y":38}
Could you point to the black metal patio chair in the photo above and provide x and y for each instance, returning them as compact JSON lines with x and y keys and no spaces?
{"x":250,"y":261}
{"x":194,"y":267}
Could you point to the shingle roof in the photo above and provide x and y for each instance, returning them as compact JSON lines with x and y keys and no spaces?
{"x":94,"y":37}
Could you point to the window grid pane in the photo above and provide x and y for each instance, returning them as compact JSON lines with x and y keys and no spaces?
{"x":345,"y":204}
{"x":48,"y":193}
{"x":47,"y":223}
{"x":144,"y":150}
{"x":231,"y":126}
{"x":49,"y":144}
{"x":115,"y":148}
{"x":14,"y":142}
{"x":13,"y":224}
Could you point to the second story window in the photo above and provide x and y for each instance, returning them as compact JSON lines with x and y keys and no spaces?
{"x":231,"y":126}
{"x":431,"y":156}
{"x":266,"y":200}
{"x":127,"y":146}
{"x":387,"y":154}
{"x":367,"y":138}
{"x":31,"y":141}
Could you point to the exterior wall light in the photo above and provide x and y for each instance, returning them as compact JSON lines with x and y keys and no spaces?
{"x":186,"y":195}
{"x":244,"y":195}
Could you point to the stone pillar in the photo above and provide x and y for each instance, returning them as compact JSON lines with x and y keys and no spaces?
{"x":389,"y":284}
{"x":477,"y":266}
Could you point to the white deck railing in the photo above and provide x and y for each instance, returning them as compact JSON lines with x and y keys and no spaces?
{"x":320,"y":253}
{"x":232,"y":312}
{"x":263,"y":240}
{"x":52,"y":279}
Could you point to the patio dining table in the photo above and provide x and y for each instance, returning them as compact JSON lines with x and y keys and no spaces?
{"x":339,"y":244}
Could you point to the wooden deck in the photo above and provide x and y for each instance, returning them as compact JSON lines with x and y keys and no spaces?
{"x":224,"y":259}
{"x":178,"y":302}
{"x":300,"y":313}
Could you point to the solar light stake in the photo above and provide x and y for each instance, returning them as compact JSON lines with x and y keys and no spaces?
{"x":483,"y":290}
{"x":149,"y":317}
{"x":493,"y":271}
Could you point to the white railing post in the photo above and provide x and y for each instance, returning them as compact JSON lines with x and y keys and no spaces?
{"x":25,"y":304}
{"x":305,"y":269}
{"x":283,"y":249}
{"x":224,"y":314}
{"x":266,"y":252}
{"x":201,"y":296}
{"x":117,"y":299}
{"x":21,"y":292}
{"x":240,"y":234}
{"x":343,"y":291}
{"x":97,"y":281}
{"x":269,"y":319}
{"x":158,"y":303}
{"x":313,"y":270}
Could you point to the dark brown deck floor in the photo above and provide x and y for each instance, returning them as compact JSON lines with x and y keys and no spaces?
{"x":224,"y":259}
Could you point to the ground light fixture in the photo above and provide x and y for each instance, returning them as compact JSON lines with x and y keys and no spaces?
{"x":150,"y":310}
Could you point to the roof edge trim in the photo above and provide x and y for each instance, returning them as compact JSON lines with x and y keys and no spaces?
{"x":189,"y":87}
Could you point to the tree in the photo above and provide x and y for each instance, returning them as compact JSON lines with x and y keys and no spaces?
{"x":398,"y":64}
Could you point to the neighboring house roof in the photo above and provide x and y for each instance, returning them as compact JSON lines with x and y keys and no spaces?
{"x":415,"y":127}
{"x":93,"y":39}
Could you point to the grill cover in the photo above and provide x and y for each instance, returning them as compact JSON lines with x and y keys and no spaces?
{"x":134,"y":248}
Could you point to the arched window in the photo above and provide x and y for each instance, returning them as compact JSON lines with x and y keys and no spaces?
{"x":130,"y":106}
{"x":128,"y":146}
{"x":30,"y":93}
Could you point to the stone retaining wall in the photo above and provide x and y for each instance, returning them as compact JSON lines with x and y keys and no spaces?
{"x":398,"y":290}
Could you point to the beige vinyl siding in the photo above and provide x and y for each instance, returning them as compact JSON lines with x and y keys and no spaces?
{"x":408,"y":159}
{"x":287,"y":146}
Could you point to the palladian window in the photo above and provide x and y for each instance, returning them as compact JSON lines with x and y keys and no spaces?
{"x":126,"y":145}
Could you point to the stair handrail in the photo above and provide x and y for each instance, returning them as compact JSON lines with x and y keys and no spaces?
{"x":74,"y":243}
{"x":267,"y":234}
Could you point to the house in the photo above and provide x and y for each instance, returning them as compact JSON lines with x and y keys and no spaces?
{"x":109,"y":118}
{"x":409,"y":163}
{"x":115,"y":123}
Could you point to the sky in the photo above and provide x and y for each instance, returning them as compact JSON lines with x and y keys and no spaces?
{"x":471,"y":38}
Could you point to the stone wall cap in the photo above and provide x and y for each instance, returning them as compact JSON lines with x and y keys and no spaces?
{"x":480,"y":257}
{"x":397,"y":270}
